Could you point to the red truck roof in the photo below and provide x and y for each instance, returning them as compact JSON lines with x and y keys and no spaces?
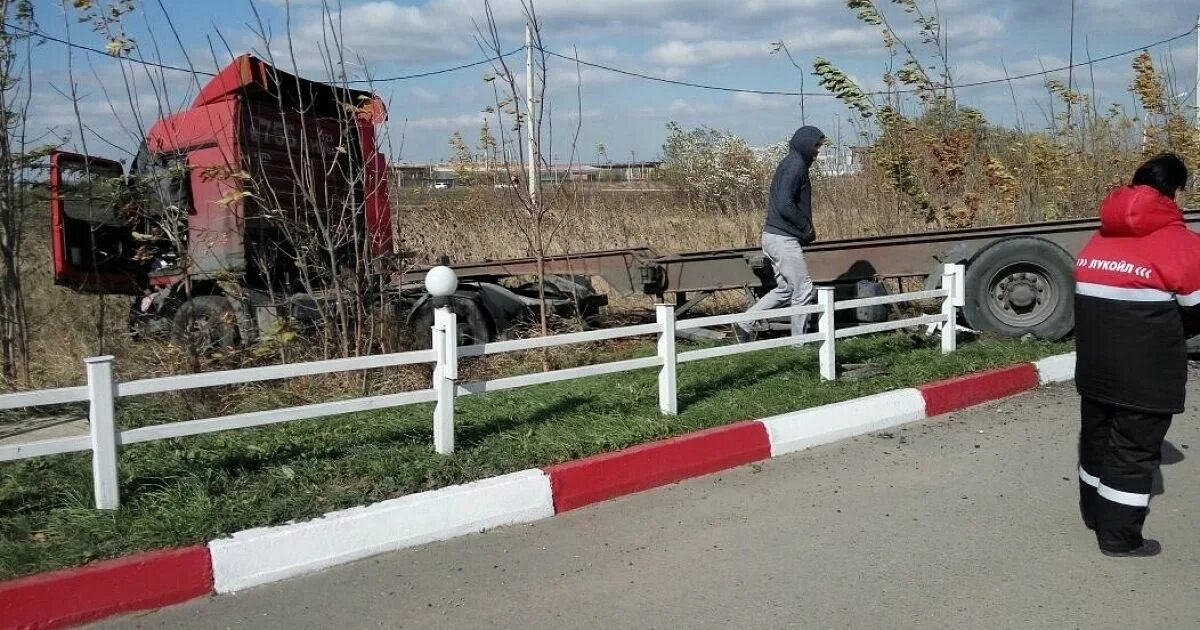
{"x":248,"y":77}
{"x":251,"y":117}
{"x":249,"y":74}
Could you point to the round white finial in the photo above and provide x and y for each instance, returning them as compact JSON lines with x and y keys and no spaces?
{"x":441,"y":281}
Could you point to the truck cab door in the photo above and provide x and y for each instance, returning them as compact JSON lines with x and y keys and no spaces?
{"x":91,"y":236}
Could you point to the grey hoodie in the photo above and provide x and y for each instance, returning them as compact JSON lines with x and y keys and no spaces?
{"x":789,"y":208}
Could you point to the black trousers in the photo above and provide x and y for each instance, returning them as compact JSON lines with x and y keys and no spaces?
{"x":1119,"y":452}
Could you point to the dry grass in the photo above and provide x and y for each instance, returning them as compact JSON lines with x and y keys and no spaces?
{"x":475,"y":223}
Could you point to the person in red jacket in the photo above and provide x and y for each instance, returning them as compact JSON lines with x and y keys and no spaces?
{"x":1137,"y":297}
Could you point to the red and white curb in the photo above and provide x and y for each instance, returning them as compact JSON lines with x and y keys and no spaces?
{"x":261,"y":556}
{"x":73,"y":596}
{"x":270,"y":554}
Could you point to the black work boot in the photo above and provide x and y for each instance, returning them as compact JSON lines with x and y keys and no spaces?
{"x":1149,"y":548}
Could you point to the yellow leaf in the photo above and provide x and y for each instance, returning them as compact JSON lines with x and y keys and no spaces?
{"x":233,"y":197}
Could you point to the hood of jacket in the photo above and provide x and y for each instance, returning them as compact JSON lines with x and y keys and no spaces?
{"x":1137,"y":211}
{"x":805,"y":141}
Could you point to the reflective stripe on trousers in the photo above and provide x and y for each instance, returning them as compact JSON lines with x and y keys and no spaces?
{"x":1119,"y":454}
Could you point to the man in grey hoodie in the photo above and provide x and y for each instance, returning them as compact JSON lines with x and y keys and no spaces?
{"x":789,"y":226}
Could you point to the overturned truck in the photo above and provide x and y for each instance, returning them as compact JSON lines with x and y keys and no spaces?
{"x":265,"y":200}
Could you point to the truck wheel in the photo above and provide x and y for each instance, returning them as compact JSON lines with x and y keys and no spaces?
{"x":206,"y":323}
{"x":1022,"y":285}
{"x":472,"y":322}
{"x":146,"y":324}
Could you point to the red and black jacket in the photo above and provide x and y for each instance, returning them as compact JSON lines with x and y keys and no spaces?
{"x":1137,"y":300}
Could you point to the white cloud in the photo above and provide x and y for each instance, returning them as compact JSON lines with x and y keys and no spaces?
{"x":760,"y":102}
{"x":684,"y":29}
{"x":388,"y":30}
{"x":840,"y":40}
{"x":385,"y":30}
{"x":680,"y":107}
{"x":1139,"y":16}
{"x":684,"y":108}
{"x":566,"y":75}
{"x":678,"y":53}
{"x":424,"y":96}
{"x":843,"y":41}
{"x":974,"y":34}
{"x":466,"y":123}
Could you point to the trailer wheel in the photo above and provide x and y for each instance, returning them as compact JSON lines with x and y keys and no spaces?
{"x":206,"y":323}
{"x":1019,"y":286}
{"x":473,"y":325}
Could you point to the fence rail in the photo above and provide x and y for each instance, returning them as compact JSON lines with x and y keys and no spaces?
{"x":269,"y":373}
{"x":103,"y":389}
{"x":44,"y":397}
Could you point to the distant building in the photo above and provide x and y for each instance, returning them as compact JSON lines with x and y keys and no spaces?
{"x":406,"y":175}
{"x":628,"y":171}
{"x":835,"y":161}
{"x":570,"y":172}
{"x":443,"y":175}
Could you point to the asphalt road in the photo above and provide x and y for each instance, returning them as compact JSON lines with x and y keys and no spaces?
{"x":969,"y":521}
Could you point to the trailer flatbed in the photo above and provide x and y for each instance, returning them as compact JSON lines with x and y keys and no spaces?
{"x":1019,"y":277}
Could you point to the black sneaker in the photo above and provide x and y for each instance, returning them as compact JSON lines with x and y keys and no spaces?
{"x":1149,"y":548}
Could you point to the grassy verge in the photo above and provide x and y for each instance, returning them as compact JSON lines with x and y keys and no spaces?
{"x":191,"y":490}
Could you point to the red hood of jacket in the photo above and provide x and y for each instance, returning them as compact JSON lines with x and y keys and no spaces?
{"x":1137,"y":211}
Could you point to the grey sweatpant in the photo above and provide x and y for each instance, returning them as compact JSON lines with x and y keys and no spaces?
{"x":793,"y":286}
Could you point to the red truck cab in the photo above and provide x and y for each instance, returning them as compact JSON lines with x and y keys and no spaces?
{"x":265,"y":175}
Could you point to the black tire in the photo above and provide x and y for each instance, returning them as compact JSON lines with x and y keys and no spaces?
{"x":144,"y":326}
{"x":206,"y":324}
{"x":473,"y":325}
{"x":1019,"y":286}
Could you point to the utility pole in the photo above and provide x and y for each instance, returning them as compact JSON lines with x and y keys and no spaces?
{"x":1071,"y":68}
{"x":530,"y":104}
{"x":1197,"y":92}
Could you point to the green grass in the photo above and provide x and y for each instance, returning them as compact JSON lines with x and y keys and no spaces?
{"x":191,"y":490}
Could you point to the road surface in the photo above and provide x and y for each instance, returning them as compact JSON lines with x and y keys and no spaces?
{"x":969,"y":521}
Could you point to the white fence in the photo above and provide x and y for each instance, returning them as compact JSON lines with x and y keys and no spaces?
{"x":103,"y":389}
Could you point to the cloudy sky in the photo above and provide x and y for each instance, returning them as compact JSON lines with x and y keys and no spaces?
{"x":714,"y":42}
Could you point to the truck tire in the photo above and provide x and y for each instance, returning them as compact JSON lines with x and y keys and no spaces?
{"x":473,"y":327}
{"x":206,"y":324}
{"x":870,"y":314}
{"x":1019,"y":286}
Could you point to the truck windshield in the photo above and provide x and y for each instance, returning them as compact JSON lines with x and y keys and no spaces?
{"x":162,"y":183}
{"x":91,"y":192}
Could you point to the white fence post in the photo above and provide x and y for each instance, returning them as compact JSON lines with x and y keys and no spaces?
{"x":102,"y":394}
{"x":445,"y":377}
{"x":953,"y":278}
{"x":827,"y":329}
{"x":668,"y":400}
